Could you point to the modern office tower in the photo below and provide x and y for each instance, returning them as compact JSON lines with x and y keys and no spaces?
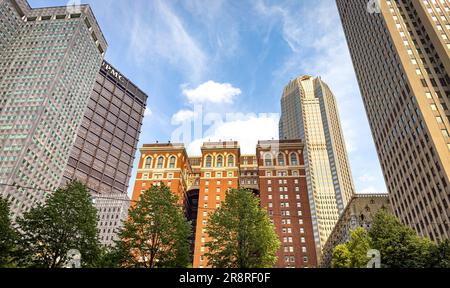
{"x":202,"y":183}
{"x":401,"y":54}
{"x":283,"y":192}
{"x":49,"y":58}
{"x":310,"y":113}
{"x":358,"y":213}
{"x":112,"y":211}
{"x":104,"y":150}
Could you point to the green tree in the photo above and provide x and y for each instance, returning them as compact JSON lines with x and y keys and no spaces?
{"x":398,"y":244}
{"x":68,"y":220}
{"x":341,"y":257}
{"x":8,"y":236}
{"x":440,"y":255}
{"x":157,"y":234}
{"x":358,"y":246}
{"x":352,"y":254}
{"x":243,"y":234}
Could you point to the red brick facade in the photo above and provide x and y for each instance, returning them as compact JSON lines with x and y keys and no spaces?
{"x":202,"y":183}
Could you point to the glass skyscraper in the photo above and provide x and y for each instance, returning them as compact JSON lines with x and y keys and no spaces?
{"x":310,"y":113}
{"x":49,"y":59}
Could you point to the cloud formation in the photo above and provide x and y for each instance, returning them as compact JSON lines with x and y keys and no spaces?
{"x":247,"y":131}
{"x":212,"y":92}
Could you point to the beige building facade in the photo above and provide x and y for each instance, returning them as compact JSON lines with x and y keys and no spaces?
{"x":310,"y":113}
{"x":359,"y":213}
{"x":401,"y":54}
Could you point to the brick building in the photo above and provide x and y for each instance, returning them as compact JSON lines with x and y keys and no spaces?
{"x":276,"y":173}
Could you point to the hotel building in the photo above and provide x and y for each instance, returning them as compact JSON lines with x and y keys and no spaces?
{"x":49,"y":60}
{"x":310,"y":113}
{"x":401,"y":54}
{"x":201,"y":184}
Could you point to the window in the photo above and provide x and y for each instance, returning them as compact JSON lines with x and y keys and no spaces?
{"x":230,"y":161}
{"x":268,"y":160}
{"x":219,"y":161}
{"x":281,"y":159}
{"x":208,"y":163}
{"x":172,"y":162}
{"x":148,"y":163}
{"x":160,"y":164}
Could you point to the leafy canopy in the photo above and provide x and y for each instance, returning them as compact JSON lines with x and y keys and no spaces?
{"x":243,"y":235}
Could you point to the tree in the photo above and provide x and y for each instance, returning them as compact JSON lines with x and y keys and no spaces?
{"x":358,"y":246}
{"x":243,"y":236}
{"x":353,"y":254}
{"x":398,"y":244}
{"x":8,"y":236}
{"x":68,"y":220}
{"x":157,"y":234}
{"x":440,"y":255}
{"x":341,"y":257}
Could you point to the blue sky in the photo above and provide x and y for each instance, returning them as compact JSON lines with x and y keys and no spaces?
{"x":232,"y":59}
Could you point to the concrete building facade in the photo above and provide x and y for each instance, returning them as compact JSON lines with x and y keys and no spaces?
{"x":401,"y":54}
{"x":49,"y":58}
{"x":112,"y":212}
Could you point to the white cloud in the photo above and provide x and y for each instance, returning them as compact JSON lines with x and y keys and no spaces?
{"x":183,"y":116}
{"x":148,"y":112}
{"x":212,"y":92}
{"x":247,"y":131}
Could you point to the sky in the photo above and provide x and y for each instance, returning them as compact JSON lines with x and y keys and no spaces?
{"x":223,"y":65}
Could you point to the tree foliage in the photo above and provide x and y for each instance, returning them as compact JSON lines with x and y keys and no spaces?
{"x":398,"y":244}
{"x":68,"y":220}
{"x":157,"y":234}
{"x":341,"y":257}
{"x":440,"y":255}
{"x":358,"y":246}
{"x":8,"y":236}
{"x":353,"y":254}
{"x":243,"y":235}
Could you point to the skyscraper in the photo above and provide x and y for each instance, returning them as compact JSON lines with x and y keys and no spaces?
{"x":104,"y":150}
{"x":310,"y":113}
{"x":49,"y":58}
{"x":401,"y":54}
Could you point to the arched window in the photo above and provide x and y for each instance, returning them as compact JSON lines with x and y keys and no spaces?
{"x":281,"y":159}
{"x":219,"y":161}
{"x":172,"y":162}
{"x":294,"y":159}
{"x":268,"y":160}
{"x":148,"y":163}
{"x":231,"y":161}
{"x":160,"y":164}
{"x":208,"y":162}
